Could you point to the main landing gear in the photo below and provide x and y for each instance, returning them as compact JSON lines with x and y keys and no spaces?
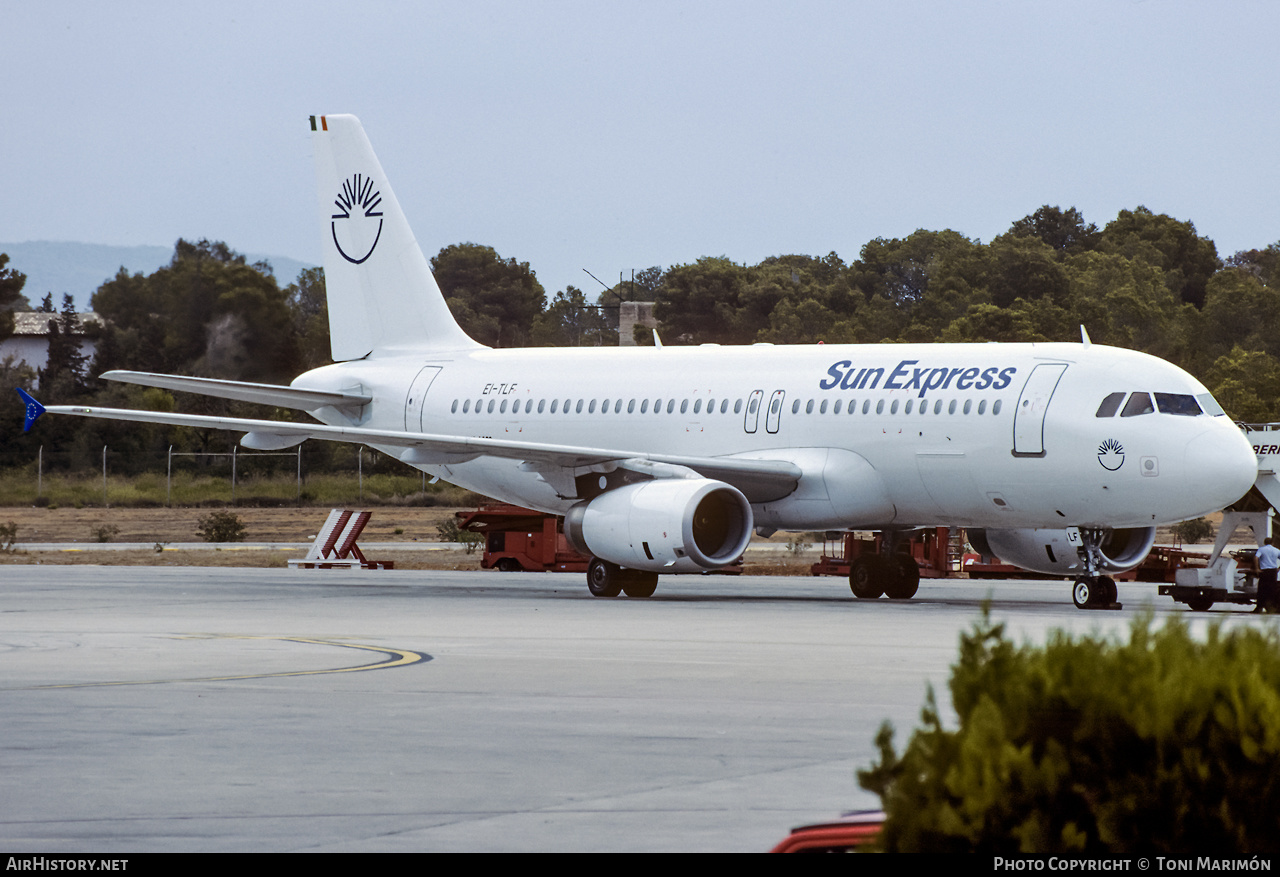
{"x":605,"y":579}
{"x":897,"y":576}
{"x":1093,"y":591}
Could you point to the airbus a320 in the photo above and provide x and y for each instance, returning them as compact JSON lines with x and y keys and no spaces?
{"x":1059,"y":458}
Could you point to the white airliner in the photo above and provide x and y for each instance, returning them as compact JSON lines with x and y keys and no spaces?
{"x":1060,"y":458}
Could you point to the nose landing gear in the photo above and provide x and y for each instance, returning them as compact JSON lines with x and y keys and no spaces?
{"x":1093,"y":591}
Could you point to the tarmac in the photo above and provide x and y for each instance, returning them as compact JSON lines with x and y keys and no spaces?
{"x":224,"y":709}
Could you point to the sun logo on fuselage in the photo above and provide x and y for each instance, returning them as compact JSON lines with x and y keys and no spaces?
{"x":1111,"y":455}
{"x":357,"y":225}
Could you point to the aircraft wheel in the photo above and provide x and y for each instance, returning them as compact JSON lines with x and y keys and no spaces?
{"x":1084,"y":592}
{"x":904,"y":578}
{"x":604,"y":579}
{"x":640,"y":584}
{"x":1108,"y":593}
{"x":866,"y":577}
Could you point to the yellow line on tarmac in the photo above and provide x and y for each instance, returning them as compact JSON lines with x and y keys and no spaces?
{"x":395,"y":658}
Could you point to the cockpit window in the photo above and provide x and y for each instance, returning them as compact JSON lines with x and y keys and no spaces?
{"x":1210,"y":405}
{"x":1173,"y":403}
{"x":1139,"y":403}
{"x":1110,"y":405}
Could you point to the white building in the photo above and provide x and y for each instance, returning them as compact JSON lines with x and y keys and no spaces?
{"x":30,"y":340}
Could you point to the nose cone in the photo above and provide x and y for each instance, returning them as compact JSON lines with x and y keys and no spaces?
{"x":1221,"y":467}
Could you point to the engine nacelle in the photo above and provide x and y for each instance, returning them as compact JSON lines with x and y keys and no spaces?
{"x":1056,"y":552}
{"x":664,"y":525}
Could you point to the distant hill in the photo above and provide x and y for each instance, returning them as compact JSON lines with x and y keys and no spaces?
{"x":68,"y":267}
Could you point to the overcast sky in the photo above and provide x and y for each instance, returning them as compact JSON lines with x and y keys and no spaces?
{"x":615,"y":135}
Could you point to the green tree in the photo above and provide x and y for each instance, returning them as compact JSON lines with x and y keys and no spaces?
{"x":902,"y":269}
{"x":1159,"y":745}
{"x":495,"y":300}
{"x":1263,"y":264}
{"x":1024,"y":267}
{"x":309,"y":311}
{"x":1246,"y":384}
{"x":11,"y":297}
{"x":570,"y":321}
{"x":1062,"y":230}
{"x":1240,"y":311}
{"x":1187,"y":259}
{"x":699,"y":303}
{"x":1124,"y":301}
{"x":207,"y":312}
{"x":63,"y":375}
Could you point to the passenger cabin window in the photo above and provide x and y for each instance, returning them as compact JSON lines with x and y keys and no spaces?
{"x":1139,"y":403}
{"x":1172,"y":403}
{"x":1110,"y":405}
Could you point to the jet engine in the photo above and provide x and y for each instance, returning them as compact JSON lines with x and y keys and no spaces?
{"x":1057,"y":552}
{"x":663,"y":525}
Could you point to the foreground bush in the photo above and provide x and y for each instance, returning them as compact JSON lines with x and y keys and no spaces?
{"x":1161,"y":744}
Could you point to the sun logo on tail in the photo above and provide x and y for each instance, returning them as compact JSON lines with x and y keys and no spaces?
{"x":1111,"y":455}
{"x":357,"y":226}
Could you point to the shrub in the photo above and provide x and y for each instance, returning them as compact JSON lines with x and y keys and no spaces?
{"x":450,"y":532}
{"x":1158,"y":745}
{"x":221,"y":526}
{"x":1195,"y":530}
{"x":8,"y":537}
{"x":104,"y":532}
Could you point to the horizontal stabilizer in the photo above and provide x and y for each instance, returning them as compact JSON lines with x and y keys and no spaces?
{"x":264,"y":394}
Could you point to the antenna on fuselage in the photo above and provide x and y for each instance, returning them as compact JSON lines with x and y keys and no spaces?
{"x":1084,"y":336}
{"x":657,"y":342}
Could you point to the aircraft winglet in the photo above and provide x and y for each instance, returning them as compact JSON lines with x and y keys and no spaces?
{"x":34,"y":409}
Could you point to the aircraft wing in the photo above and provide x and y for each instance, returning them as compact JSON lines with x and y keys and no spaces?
{"x":759,"y":480}
{"x":265,"y":394}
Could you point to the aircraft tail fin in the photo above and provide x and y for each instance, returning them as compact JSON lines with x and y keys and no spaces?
{"x":380,"y":290}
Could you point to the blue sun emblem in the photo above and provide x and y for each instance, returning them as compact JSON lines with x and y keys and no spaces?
{"x":358,"y":222}
{"x":1111,"y":455}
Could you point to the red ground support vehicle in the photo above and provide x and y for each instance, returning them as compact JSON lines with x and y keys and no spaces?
{"x":844,"y":835}
{"x":518,"y":539}
{"x":931,"y":549}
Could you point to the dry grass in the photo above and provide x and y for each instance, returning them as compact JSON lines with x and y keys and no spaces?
{"x":443,"y":559}
{"x":161,"y":526}
{"x":179,"y":524}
